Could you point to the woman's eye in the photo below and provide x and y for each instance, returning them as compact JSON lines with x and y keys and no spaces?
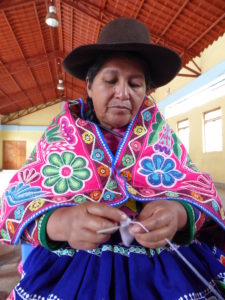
{"x":110,"y":81}
{"x":134,"y":85}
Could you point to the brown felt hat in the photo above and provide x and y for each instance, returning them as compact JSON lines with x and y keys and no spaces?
{"x":130,"y":35}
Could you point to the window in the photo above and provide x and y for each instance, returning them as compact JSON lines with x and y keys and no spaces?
{"x":183,"y":132}
{"x":213,"y":130}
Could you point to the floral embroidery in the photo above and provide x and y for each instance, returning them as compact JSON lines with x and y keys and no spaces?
{"x":35,"y":205}
{"x":19,"y":212}
{"x":53,"y":135}
{"x":66,"y":172}
{"x":131,"y":190}
{"x":222,"y":260}
{"x":112,"y":184}
{"x":172,"y":194}
{"x":136,"y":146}
{"x":196,"y":196}
{"x":127,"y":160}
{"x":103,"y":171}
{"x":160,"y":171}
{"x":98,"y":154}
{"x":22,"y":193}
{"x":87,"y":137}
{"x":11,"y":227}
{"x":127,"y":175}
{"x":222,"y":213}
{"x":149,"y":103}
{"x":67,"y":131}
{"x":215,"y":205}
{"x":147,"y":192}
{"x":139,"y":130}
{"x":147,"y":116}
{"x":82,"y":122}
{"x":79,"y":199}
{"x":108,"y":196}
{"x":4,"y":234}
{"x":28,"y":175}
{"x":95,"y":195}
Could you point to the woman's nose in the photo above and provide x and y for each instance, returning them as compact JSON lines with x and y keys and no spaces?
{"x":122,"y":90}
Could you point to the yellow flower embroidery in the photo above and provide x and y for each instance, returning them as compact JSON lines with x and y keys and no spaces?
{"x":131,"y":190}
{"x":87,"y":137}
{"x":35,"y":205}
{"x":139,"y":130}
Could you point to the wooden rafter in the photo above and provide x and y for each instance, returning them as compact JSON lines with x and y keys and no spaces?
{"x":42,"y":41}
{"x":21,"y":113}
{"x":206,"y":31}
{"x":22,"y":65}
{"x":173,"y":20}
{"x":22,"y":54}
{"x":140,"y":5}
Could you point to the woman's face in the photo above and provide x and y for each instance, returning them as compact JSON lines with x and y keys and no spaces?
{"x":117,"y":91}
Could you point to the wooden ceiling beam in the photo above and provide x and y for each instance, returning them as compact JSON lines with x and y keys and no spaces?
{"x":173,"y":19}
{"x":141,"y":3}
{"x":60,"y":33}
{"x":43,"y":43}
{"x":206,"y":31}
{"x":23,"y":64}
{"x":34,"y":90}
{"x":9,"y":5}
{"x":22,"y":54}
{"x":16,"y":115}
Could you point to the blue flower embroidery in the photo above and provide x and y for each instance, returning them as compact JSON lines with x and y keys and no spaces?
{"x":108,"y":196}
{"x":160,"y":171}
{"x":22,"y":193}
{"x":98,"y":154}
{"x":147,"y":116}
{"x":19,"y":212}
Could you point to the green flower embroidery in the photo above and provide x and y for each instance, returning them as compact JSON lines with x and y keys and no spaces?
{"x":112,"y":185}
{"x":172,"y":194}
{"x":79,"y":199}
{"x":65,"y":172}
{"x":127,"y":160}
{"x":5,"y":234}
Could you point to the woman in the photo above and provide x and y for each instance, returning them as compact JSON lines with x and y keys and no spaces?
{"x":100,"y":163}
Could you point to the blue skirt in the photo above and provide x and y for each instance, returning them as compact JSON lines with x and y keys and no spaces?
{"x":113,"y":271}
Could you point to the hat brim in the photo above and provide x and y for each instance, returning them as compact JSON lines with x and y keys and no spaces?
{"x":164,"y":63}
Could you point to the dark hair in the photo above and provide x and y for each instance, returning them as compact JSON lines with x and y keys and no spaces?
{"x":99,"y":62}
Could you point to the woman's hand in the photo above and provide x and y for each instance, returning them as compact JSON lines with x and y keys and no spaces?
{"x":78,"y":224}
{"x":163,"y":219}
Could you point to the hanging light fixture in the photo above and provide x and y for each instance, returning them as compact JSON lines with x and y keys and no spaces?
{"x":60,"y":85}
{"x":51,"y":18}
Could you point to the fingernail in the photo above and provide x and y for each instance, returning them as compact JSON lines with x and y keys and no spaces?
{"x":135,"y":229}
{"x":124,"y":216}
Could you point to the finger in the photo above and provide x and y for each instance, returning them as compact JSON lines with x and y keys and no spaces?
{"x":159,"y":220}
{"x":154,"y":236}
{"x":103,"y":210}
{"x":95,"y":223}
{"x":92,"y":237}
{"x":152,"y":245}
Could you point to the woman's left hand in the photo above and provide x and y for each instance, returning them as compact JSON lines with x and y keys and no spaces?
{"x":163,"y":218}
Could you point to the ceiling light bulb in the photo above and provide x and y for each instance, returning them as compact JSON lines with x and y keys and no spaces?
{"x":60,"y":85}
{"x":51,"y":18}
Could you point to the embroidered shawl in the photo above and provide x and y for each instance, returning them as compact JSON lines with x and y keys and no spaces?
{"x":72,"y":163}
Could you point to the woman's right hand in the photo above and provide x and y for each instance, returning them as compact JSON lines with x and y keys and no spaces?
{"x":78,"y":224}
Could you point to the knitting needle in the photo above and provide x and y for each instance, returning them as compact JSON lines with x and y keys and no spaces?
{"x":109,"y":229}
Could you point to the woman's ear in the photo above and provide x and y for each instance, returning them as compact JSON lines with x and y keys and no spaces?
{"x":88,"y":87}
